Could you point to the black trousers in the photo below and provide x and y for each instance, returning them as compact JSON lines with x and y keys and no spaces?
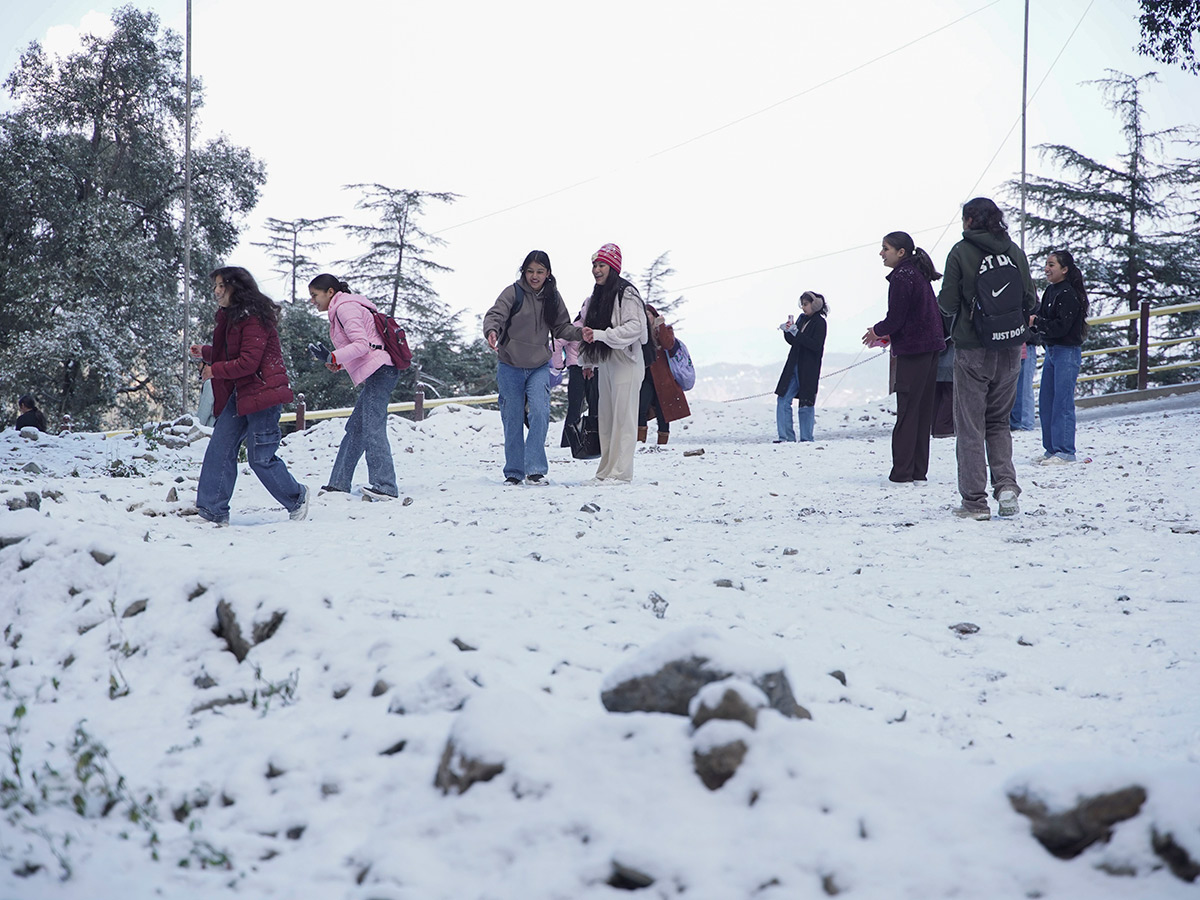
{"x":580,"y":390}
{"x":916,"y":378}
{"x":649,"y":398}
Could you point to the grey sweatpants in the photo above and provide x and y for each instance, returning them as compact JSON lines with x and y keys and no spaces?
{"x":985,"y":385}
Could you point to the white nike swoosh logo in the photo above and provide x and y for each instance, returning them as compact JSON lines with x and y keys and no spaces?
{"x":999,"y":292}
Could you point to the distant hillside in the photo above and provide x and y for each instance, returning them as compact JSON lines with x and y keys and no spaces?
{"x":864,"y":383}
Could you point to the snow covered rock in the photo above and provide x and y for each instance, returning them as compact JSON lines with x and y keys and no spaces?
{"x":230,"y":629}
{"x":30,"y":500}
{"x":1068,"y":833}
{"x":491,"y":730}
{"x":665,"y":676}
{"x":719,"y":749}
{"x":732,"y":699}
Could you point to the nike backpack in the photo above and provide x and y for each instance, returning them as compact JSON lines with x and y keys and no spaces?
{"x":998,"y":309}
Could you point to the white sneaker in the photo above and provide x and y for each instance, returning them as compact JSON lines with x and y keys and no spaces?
{"x":1008,"y":503}
{"x":537,"y":480}
{"x":298,"y":514}
{"x":370,"y":493}
{"x":1054,"y":461}
{"x":980,"y":515}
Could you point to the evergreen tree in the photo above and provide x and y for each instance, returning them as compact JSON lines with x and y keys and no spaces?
{"x":394,"y":270}
{"x":1168,"y":29}
{"x":288,"y":245}
{"x":91,"y":209}
{"x":395,"y":267}
{"x":1131,"y":226}
{"x":654,"y":287}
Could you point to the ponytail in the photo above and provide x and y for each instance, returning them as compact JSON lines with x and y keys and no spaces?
{"x":902,"y":240}
{"x":327,"y":282}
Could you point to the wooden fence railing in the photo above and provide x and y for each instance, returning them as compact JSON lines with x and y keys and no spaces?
{"x":1144,"y":344}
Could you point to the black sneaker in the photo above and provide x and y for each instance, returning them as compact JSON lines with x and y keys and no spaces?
{"x":537,"y":480}
{"x":509,"y":481}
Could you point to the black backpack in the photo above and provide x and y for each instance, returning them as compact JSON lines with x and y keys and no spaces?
{"x":997,"y":312}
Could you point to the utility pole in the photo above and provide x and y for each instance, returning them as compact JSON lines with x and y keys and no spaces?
{"x":187,"y":211}
{"x":1025,"y":102}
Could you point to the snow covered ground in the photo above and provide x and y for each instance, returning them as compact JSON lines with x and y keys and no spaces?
{"x":144,"y":760}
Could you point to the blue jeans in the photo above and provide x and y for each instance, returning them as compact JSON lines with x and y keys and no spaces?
{"x":783,"y":410}
{"x":523,"y":455}
{"x":806,"y":418}
{"x":1021,"y":417}
{"x":366,"y":433}
{"x":1056,"y":400}
{"x":218,"y":474}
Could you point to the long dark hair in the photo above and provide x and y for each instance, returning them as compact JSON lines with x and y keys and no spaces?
{"x":902,"y":240}
{"x":985,"y":215}
{"x":327,"y":282}
{"x":818,"y":299}
{"x":600,"y":310}
{"x":1074,"y":279}
{"x":245,"y":299}
{"x":549,"y":288}
{"x":27,"y":401}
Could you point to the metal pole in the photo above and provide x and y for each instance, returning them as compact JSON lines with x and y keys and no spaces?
{"x":1024,"y":104}
{"x":187,"y":210}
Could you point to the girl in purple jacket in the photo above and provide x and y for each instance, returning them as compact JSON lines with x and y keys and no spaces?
{"x":913,"y":325}
{"x":358,"y":349}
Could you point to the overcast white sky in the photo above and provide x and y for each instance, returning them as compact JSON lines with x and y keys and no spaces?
{"x":767,"y":145}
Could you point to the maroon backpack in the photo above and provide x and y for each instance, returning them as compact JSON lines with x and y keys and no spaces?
{"x":394,"y":340}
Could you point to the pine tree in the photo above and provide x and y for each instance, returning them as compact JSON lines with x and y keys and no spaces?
{"x":394,"y":272}
{"x":289,"y":245}
{"x":395,"y":267}
{"x":91,"y":199}
{"x":654,"y":289}
{"x":1131,"y":226}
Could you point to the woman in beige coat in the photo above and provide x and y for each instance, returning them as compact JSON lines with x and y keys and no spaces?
{"x":614,"y":329}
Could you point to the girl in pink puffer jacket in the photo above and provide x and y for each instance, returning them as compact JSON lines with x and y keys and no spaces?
{"x":358,"y":349}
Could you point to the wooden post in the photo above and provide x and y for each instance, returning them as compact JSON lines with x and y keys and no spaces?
{"x":419,"y":403}
{"x":1143,"y":374}
{"x":300,"y":410}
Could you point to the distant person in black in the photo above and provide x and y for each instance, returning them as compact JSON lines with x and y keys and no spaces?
{"x":29,"y":415}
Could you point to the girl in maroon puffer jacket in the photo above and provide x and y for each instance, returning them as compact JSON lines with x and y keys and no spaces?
{"x":250,"y":386}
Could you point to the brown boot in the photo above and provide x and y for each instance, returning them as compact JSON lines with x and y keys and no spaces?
{"x":642,"y":433}
{"x":662,"y":437}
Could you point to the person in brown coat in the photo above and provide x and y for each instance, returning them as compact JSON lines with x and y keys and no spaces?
{"x":660,"y":392}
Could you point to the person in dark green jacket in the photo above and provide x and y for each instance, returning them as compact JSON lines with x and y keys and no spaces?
{"x":985,"y":378}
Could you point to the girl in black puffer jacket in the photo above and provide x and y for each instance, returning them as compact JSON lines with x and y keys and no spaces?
{"x":1062,"y":322}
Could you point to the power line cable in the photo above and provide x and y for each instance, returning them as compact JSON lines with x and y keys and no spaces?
{"x":719,"y":128}
{"x":1013,"y":128}
{"x":826,"y":82}
{"x":948,"y":225}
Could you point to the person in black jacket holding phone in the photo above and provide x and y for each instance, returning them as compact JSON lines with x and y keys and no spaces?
{"x":1062,"y":322}
{"x":802,"y":371}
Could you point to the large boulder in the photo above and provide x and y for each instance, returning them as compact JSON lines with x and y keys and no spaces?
{"x":665,"y":676}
